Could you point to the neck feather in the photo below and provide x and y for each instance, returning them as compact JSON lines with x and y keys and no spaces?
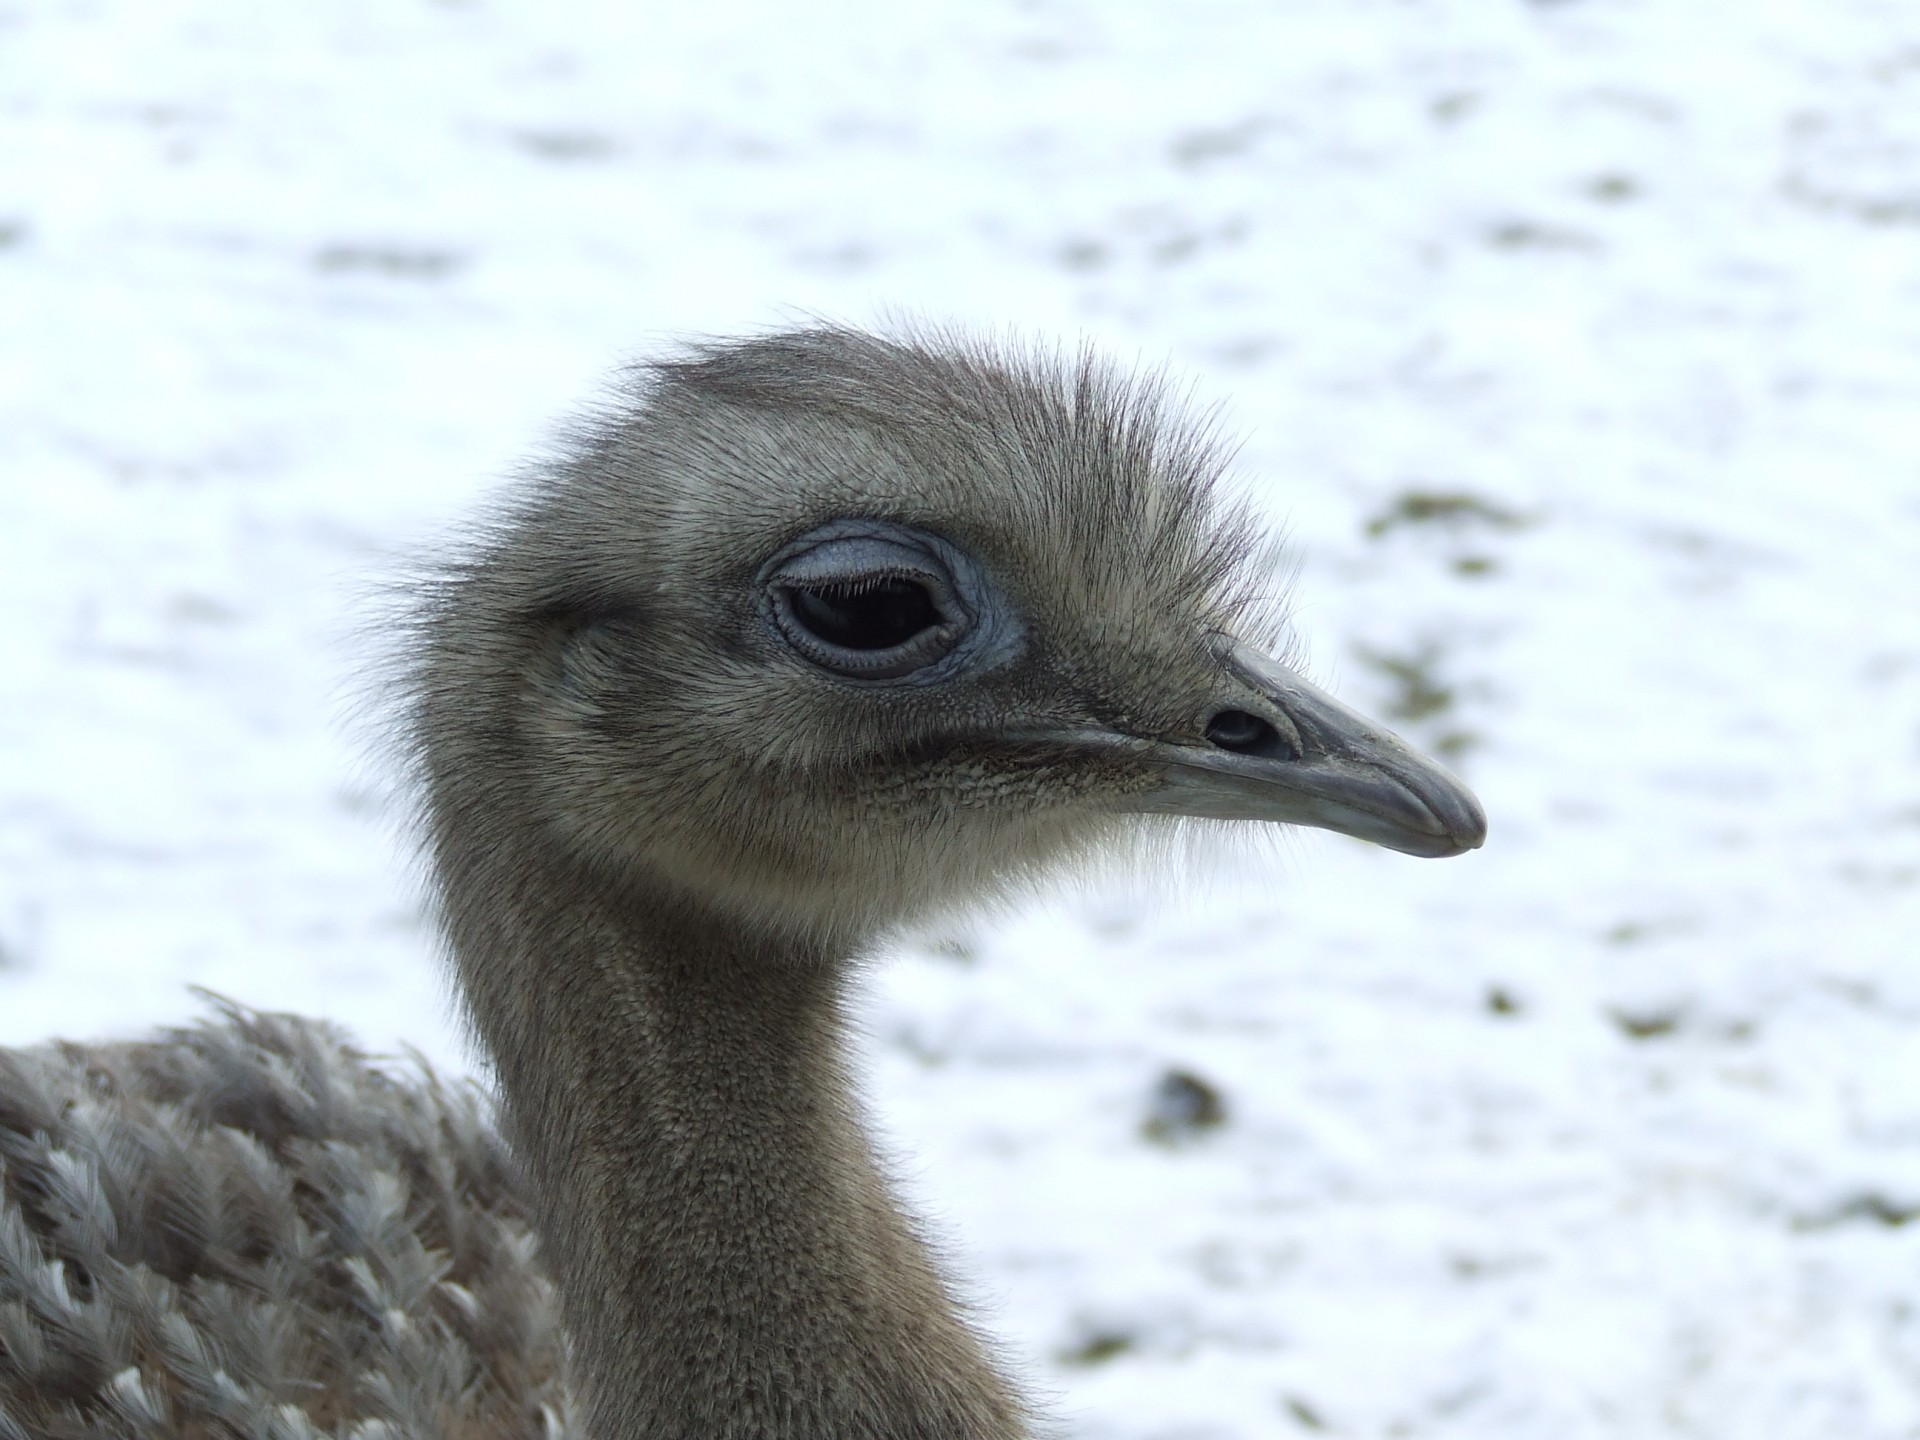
{"x":729,"y":1257}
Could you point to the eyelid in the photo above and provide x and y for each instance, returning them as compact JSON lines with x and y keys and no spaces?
{"x":864,"y":583}
{"x":835,"y":561}
{"x":854,"y":556}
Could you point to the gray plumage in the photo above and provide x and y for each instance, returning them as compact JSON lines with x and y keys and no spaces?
{"x":812,"y":635}
{"x":246,"y":1229}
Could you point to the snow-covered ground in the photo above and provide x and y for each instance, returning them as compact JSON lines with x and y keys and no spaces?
{"x":1579,"y":344}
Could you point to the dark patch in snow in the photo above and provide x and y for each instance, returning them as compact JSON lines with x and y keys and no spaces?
{"x":1871,"y":1206}
{"x":1454,"y":509}
{"x":1197,"y":147}
{"x":567,"y":145}
{"x":1084,"y":255}
{"x":1532,"y":235}
{"x":1182,"y":1107}
{"x":1302,"y":1414}
{"x":1098,"y":1347}
{"x":1420,"y":694}
{"x":389,"y":260}
{"x":1646,"y":1024}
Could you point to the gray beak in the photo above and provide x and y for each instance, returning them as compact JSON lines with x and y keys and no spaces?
{"x":1283,"y":750}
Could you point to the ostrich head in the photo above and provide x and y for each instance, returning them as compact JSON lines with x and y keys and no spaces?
{"x":824,"y":630}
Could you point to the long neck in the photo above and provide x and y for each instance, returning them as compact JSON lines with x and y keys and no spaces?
{"x":729,"y":1258}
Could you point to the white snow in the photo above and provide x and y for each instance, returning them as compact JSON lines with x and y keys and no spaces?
{"x":1612,"y":1130}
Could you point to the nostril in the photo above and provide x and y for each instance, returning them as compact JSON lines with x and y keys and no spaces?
{"x":1242,"y":733}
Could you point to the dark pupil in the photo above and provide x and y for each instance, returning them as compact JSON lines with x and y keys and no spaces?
{"x":1237,"y":730}
{"x":875,"y":617}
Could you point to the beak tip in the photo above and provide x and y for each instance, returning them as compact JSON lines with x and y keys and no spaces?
{"x":1461,"y":819}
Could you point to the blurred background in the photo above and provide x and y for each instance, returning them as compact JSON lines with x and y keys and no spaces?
{"x":1576,"y":345}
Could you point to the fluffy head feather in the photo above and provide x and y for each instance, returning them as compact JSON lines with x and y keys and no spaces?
{"x":604,"y":647}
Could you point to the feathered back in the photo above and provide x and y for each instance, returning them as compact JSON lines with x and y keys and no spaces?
{"x":247,"y":1229}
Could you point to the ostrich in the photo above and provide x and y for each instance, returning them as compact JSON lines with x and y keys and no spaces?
{"x":818,"y":633}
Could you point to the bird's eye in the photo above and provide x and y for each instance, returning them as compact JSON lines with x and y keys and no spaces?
{"x":870,"y":600}
{"x":1246,"y":734}
{"x":888,"y":612}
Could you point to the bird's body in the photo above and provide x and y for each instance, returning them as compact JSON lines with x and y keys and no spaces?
{"x":246,"y":1229}
{"x":819,"y":633}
